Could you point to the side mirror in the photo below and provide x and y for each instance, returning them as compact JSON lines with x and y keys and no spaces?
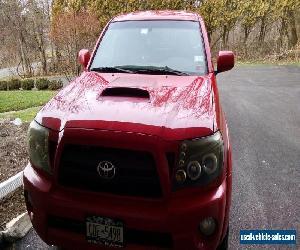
{"x":84,"y":57}
{"x":225,"y":61}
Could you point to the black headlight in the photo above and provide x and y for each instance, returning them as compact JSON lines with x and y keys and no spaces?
{"x":38,"y":146}
{"x":200,"y":161}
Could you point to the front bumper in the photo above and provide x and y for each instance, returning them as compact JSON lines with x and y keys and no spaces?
{"x":177,"y":216}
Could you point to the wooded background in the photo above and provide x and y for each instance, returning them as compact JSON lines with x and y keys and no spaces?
{"x":47,"y":35}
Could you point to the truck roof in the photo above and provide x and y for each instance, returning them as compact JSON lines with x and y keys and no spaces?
{"x":158,"y":15}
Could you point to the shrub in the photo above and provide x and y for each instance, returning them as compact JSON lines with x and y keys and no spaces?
{"x":27,"y":84}
{"x":3,"y":85}
{"x":42,"y":83}
{"x":54,"y":85}
{"x":14,"y":84}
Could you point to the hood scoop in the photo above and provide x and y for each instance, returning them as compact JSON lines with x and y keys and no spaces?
{"x":125,"y":92}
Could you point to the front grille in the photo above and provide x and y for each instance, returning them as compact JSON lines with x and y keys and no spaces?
{"x":135,"y":173}
{"x":131,"y":236}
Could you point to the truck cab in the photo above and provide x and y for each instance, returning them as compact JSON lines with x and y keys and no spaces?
{"x":135,"y":152}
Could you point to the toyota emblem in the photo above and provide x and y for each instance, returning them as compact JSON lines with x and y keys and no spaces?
{"x":106,"y":170}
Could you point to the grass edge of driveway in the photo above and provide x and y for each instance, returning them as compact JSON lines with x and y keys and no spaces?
{"x":23,"y":99}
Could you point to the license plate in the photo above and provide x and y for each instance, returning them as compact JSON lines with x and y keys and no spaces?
{"x":106,"y":231}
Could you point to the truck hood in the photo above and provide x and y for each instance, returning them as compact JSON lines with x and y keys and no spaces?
{"x":177,"y":107}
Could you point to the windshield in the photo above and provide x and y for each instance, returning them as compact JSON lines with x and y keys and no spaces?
{"x":158,"y":47}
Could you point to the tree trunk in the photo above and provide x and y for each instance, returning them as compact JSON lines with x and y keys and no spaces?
{"x":26,"y":65}
{"x":262,"y":32}
{"x":42,"y":52}
{"x":39,"y":39}
{"x":225,"y":36}
{"x":44,"y":60}
{"x":292,"y":31}
{"x":246,"y":34}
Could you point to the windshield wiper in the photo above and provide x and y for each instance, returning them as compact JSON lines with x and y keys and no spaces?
{"x":154,"y":70}
{"x":112,"y":70}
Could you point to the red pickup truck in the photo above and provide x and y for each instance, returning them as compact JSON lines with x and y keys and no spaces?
{"x":135,"y":152}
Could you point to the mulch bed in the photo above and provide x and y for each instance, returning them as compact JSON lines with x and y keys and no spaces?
{"x":11,"y":206}
{"x":13,"y":148}
{"x":13,"y":159}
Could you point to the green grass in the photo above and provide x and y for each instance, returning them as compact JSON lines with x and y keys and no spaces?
{"x":25,"y":115}
{"x":267,"y":63}
{"x":22,"y":99}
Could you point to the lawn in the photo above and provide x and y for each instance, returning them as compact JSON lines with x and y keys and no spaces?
{"x":26,"y":115}
{"x":21,"y":99}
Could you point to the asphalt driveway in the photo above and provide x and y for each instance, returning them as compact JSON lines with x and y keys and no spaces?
{"x":262,"y":106}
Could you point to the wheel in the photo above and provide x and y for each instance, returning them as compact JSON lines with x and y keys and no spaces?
{"x":224,"y":243}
